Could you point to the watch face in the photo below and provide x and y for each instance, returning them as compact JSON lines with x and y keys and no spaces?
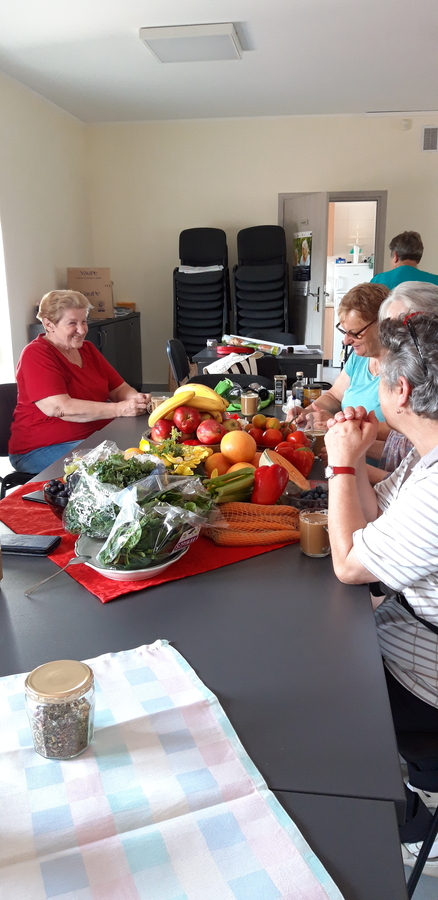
{"x":328,"y":472}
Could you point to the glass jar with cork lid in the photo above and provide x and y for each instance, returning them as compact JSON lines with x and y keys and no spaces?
{"x":60,"y":707}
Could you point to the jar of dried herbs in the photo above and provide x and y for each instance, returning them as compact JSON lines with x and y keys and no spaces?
{"x":60,"y":706}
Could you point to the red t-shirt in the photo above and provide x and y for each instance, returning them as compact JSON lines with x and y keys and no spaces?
{"x":42,"y":372}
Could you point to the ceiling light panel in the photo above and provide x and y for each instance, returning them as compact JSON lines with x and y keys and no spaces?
{"x":193,"y":43}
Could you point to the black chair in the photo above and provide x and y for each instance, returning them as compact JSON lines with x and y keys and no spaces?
{"x":178,"y":359}
{"x":415,"y":746}
{"x":201,"y":305}
{"x":8,"y":402}
{"x":261,"y":280}
{"x":277,"y":337}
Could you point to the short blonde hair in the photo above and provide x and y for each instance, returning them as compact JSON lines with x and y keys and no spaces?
{"x":54,"y":304}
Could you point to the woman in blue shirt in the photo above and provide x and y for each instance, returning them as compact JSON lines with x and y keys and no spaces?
{"x":358,"y":383}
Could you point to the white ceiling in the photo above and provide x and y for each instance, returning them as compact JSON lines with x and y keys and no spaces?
{"x":302,"y":57}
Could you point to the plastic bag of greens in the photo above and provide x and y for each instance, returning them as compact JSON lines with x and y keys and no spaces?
{"x":185,"y":491}
{"x":145,"y":537}
{"x":94,"y":505}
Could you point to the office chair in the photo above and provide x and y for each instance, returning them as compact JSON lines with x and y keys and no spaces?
{"x":178,"y":359}
{"x":414,"y":746}
{"x":276,"y":337}
{"x":8,"y":402}
{"x":261,"y":280}
{"x":201,"y":299}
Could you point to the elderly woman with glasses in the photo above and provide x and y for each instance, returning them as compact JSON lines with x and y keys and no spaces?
{"x":358,"y":382}
{"x":389,"y":533}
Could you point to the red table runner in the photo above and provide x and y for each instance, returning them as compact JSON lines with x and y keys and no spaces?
{"x":25,"y":517}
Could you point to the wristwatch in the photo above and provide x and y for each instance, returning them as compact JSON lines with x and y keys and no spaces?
{"x":331,"y":471}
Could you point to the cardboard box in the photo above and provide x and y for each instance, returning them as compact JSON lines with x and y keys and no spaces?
{"x":97,"y":286}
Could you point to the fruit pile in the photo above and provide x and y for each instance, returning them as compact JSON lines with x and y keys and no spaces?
{"x":268,"y":432}
{"x":197,"y":412}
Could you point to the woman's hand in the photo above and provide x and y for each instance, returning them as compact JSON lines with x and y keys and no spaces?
{"x":349,"y":435}
{"x":136,"y":405}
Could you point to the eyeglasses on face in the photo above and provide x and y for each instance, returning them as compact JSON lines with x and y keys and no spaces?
{"x":413,"y":333}
{"x":355,"y":334}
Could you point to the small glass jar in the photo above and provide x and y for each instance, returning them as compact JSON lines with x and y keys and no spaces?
{"x":60,"y":707}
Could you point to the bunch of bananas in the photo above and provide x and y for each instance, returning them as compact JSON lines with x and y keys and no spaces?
{"x":199,"y":396}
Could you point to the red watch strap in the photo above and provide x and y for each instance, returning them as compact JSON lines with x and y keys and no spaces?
{"x":343,"y":470}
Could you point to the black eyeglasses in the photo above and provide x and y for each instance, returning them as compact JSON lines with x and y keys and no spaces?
{"x":355,"y":334}
{"x":413,"y":333}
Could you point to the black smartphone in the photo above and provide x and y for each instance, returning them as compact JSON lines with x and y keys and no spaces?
{"x":29,"y":544}
{"x":36,"y":496}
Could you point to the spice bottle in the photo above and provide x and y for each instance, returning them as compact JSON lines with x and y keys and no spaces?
{"x":60,"y":707}
{"x":280,"y":383}
{"x":311,"y":392}
{"x":298,"y":389}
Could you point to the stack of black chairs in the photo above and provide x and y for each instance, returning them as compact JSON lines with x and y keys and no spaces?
{"x":201,"y":299}
{"x":261,"y":280}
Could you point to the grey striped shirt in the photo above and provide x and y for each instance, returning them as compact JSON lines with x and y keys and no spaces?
{"x":401,"y":550}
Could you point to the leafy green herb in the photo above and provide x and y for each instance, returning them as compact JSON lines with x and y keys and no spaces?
{"x":120,"y":471}
{"x":137,"y":545}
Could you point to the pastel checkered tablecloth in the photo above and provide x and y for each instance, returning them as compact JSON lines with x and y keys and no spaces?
{"x":164,"y":805}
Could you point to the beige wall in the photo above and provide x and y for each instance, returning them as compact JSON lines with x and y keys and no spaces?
{"x":118,"y":195}
{"x":149,"y":181}
{"x":43,"y":201}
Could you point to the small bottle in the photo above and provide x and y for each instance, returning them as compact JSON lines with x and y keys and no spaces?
{"x":311,"y":392}
{"x":280,"y":383}
{"x":298,"y":389}
{"x":60,"y":707}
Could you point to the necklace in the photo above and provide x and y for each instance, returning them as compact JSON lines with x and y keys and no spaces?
{"x":373,"y":368}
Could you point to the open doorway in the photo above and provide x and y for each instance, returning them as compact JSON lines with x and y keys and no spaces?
{"x":351,"y":238}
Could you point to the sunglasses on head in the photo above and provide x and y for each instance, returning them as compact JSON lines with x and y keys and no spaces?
{"x":413,"y":333}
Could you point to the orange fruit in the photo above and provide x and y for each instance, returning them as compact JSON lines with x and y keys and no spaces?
{"x":131,"y":452}
{"x":259,"y":421}
{"x":241,"y":465}
{"x":256,"y":459}
{"x":272,"y":423}
{"x":238,"y":446}
{"x":216,"y":461}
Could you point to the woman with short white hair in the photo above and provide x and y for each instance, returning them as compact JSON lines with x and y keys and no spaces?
{"x":388,"y":533}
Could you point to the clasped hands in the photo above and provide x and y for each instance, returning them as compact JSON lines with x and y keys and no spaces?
{"x":349,"y":435}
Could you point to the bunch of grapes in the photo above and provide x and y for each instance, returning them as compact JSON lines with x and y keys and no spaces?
{"x":56,"y":488}
{"x":317,"y":498}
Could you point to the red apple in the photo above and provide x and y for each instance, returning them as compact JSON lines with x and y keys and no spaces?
{"x":186,"y":419}
{"x":232,"y":425}
{"x":210,"y":432}
{"x":161,"y":430}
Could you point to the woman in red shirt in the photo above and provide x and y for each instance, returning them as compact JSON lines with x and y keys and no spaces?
{"x":66,"y":389}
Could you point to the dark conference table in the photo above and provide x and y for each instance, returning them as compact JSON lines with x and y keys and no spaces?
{"x":290,"y":363}
{"x":292,"y":655}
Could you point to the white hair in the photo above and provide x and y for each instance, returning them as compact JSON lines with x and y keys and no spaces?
{"x":416,"y":296}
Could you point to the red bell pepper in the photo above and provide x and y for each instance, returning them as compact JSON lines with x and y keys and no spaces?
{"x":269,"y":484}
{"x":300,"y":457}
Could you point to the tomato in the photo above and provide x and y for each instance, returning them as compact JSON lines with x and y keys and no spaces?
{"x":298,"y":437}
{"x":257,"y":434}
{"x":271,"y":437}
{"x":302,"y":458}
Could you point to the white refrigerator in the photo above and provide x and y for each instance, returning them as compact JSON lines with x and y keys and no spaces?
{"x":346,"y":276}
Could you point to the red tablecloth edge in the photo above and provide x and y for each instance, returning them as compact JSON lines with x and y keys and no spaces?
{"x":25,"y":517}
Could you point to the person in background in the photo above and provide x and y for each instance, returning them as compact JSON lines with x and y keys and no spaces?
{"x":66,"y":389}
{"x":406,"y":252}
{"x":358,"y":382}
{"x":389,"y":533}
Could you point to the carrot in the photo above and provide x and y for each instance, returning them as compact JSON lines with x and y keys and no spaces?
{"x":252,"y":523}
